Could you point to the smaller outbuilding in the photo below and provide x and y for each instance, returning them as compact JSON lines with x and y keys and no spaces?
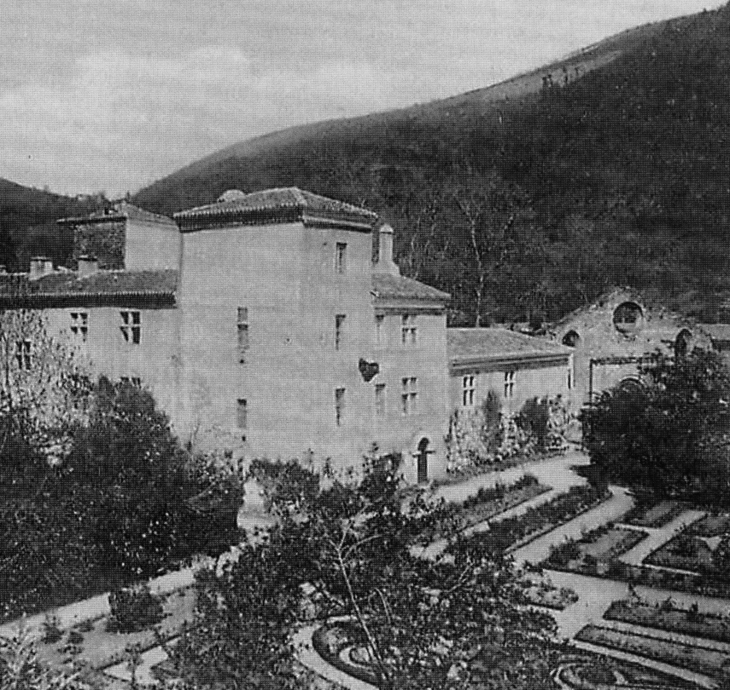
{"x":615,"y":334}
{"x":517,"y":367}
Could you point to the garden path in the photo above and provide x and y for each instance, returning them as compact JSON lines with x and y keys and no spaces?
{"x":658,"y":536}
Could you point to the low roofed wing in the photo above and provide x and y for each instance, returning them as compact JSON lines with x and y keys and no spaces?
{"x":474,"y":344}
{"x":62,"y":288}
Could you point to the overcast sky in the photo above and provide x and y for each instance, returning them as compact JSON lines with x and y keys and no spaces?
{"x":113,"y":94}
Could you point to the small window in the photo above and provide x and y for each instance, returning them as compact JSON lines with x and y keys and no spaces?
{"x":339,"y":330}
{"x":409,"y":330}
{"x":571,"y":339}
{"x":80,"y":325}
{"x":242,"y":413}
{"x":380,"y":329}
{"x":380,"y":400}
{"x":131,"y":326}
{"x":628,"y":318}
{"x":509,"y":384}
{"x":135,"y":381}
{"x":570,"y":379}
{"x":339,"y":406}
{"x":341,"y":257}
{"x":242,"y":317}
{"x":468,"y":390}
{"x":409,"y":395}
{"x":24,"y":354}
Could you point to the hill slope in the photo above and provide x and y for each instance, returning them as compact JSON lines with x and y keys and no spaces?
{"x":531,"y":197}
{"x":28,"y":227}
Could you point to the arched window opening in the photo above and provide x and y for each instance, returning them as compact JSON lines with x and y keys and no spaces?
{"x":631,"y":384}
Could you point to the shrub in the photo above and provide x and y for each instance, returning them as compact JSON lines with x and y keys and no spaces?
{"x":533,"y":418}
{"x":134,"y":609}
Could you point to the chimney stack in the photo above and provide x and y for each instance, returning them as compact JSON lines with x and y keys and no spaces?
{"x":385,"y":252}
{"x":88,"y":265}
{"x":40,"y":266}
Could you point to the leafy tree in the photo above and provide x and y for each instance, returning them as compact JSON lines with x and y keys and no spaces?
{"x":352,"y":547}
{"x":667,"y":435}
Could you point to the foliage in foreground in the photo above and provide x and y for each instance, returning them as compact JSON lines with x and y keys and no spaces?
{"x":667,"y":437}
{"x":426,"y":624}
{"x":120,"y":506}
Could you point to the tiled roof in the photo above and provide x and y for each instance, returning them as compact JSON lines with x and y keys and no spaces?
{"x":286,"y":204}
{"x":467,"y":344}
{"x":717,"y":331}
{"x":388,"y":286}
{"x":121,"y":211}
{"x":66,"y":287}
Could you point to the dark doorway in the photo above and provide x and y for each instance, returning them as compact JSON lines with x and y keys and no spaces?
{"x":423,"y":453}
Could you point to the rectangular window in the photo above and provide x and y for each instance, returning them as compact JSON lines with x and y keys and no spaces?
{"x":80,"y":325}
{"x":409,"y":330}
{"x":339,"y":330}
{"x":341,"y":257}
{"x":409,"y":395}
{"x":242,"y":333}
{"x":380,"y":400}
{"x":570,"y":379}
{"x":131,"y":326}
{"x":242,"y":413}
{"x":339,"y":406}
{"x":468,"y":389}
{"x":509,"y":384}
{"x":380,"y":329}
{"x":24,"y":354}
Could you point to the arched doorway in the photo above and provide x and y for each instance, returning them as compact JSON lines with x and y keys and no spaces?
{"x":422,"y":459}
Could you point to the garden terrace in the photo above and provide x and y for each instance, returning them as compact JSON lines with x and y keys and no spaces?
{"x":709,"y":662}
{"x":666,"y":616}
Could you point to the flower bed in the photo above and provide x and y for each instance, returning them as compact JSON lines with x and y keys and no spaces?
{"x":595,"y":552}
{"x":654,"y":515}
{"x":684,"y":552}
{"x":711,"y":526}
{"x":709,"y":662}
{"x":516,"y":531}
{"x":666,"y":616}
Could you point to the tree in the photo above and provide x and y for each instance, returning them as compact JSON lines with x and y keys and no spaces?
{"x":666,"y":436}
{"x":425,"y":624}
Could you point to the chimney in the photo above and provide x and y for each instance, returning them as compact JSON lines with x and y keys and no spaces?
{"x":385,"y":252}
{"x":40,"y":266}
{"x":87,"y":265}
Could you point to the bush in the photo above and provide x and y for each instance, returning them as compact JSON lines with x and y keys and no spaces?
{"x":134,"y":609}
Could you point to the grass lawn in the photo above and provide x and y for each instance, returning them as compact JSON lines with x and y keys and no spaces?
{"x":672,"y":619}
{"x":654,"y":515}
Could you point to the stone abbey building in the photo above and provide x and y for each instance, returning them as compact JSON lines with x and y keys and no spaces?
{"x":260,"y":323}
{"x":264,"y":328}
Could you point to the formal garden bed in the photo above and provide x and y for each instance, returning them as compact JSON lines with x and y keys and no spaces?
{"x":595,"y":553}
{"x":668,"y":616}
{"x":706,"y":661}
{"x":490,"y":502}
{"x":654,"y":515}
{"x":511,"y":533}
